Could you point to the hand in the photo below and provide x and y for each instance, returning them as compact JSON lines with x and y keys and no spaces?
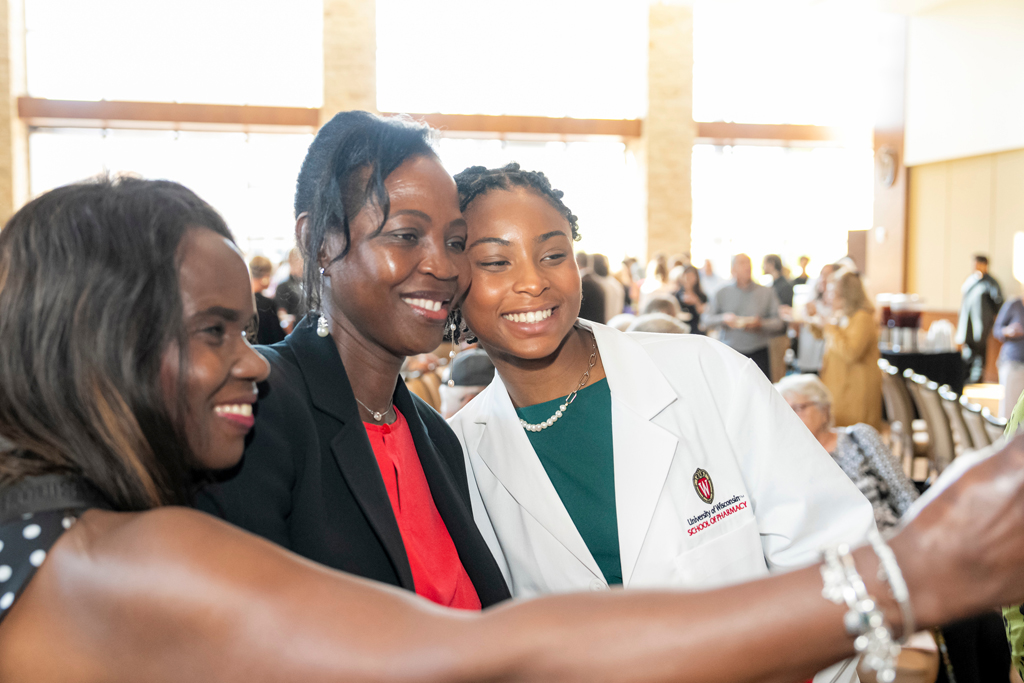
{"x":786,"y":313}
{"x":754,"y":324}
{"x":691,"y":299}
{"x":812,"y":308}
{"x":729,"y":320}
{"x":964,"y":550}
{"x":1013,"y":331}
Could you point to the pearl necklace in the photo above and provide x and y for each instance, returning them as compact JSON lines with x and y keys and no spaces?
{"x":540,"y":426}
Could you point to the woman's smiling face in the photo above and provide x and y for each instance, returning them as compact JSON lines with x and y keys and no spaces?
{"x":524,"y":296}
{"x":395,"y":286}
{"x":219,"y":380}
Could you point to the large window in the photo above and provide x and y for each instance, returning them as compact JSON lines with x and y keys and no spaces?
{"x":784,"y":62}
{"x":600,"y":180}
{"x":778,"y":63}
{"x":263,"y":52}
{"x":530,"y":57}
{"x":249,"y":178}
{"x":775,"y":200}
{"x":267,"y":52}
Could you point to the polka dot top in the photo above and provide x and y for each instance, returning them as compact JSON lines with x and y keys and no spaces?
{"x":33,"y":515}
{"x":23,"y":547}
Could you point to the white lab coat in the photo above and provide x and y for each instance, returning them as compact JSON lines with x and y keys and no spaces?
{"x":679,"y":403}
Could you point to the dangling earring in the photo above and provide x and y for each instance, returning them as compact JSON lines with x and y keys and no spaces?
{"x":322,"y":327}
{"x":451,"y":354}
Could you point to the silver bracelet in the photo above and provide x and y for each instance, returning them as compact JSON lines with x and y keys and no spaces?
{"x":863,"y":621}
{"x":889,"y":571}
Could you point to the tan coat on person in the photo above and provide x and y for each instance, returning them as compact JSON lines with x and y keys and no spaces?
{"x":850,"y":370}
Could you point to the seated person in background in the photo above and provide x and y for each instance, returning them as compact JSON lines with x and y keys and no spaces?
{"x":269,"y":325}
{"x":469,"y":373}
{"x":857,"y":449}
{"x":622,"y":321}
{"x":664,"y":304}
{"x":659,"y":322}
{"x":973,"y":652}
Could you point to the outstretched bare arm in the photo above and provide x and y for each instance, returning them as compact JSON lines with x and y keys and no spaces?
{"x":173,"y":595}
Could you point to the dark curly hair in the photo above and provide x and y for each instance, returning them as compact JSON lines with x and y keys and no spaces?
{"x":477,"y":180}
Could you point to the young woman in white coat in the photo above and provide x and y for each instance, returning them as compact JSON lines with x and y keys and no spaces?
{"x":606,"y":458}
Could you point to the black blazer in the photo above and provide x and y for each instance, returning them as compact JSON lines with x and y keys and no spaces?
{"x":309,"y":480}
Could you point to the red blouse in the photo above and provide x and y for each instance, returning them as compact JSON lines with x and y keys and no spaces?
{"x":437,"y":570}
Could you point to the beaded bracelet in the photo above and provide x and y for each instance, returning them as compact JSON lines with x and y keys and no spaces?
{"x":864,"y":622}
{"x":889,"y":571}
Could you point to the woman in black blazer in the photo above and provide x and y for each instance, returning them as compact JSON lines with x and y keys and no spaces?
{"x":378,"y":220}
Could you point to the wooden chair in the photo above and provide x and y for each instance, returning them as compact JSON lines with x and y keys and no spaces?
{"x":962,"y":440}
{"x":975,"y":423}
{"x":995,"y":426}
{"x":940,"y":436}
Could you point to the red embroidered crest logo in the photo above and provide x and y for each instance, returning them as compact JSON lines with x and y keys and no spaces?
{"x":702,"y":484}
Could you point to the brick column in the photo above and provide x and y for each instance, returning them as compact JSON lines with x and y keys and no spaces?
{"x":350,"y":56}
{"x":14,"y":189}
{"x":669,"y":130}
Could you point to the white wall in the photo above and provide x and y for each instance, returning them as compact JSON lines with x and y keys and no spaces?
{"x":958,"y":209}
{"x":965,"y":80}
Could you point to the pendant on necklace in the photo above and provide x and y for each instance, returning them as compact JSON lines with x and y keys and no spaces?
{"x":378,"y":417}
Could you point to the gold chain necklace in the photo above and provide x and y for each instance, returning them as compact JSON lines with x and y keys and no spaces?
{"x":540,"y":426}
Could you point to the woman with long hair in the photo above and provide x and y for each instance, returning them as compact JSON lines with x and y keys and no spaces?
{"x":692,"y":298}
{"x":346,"y":466}
{"x":126,"y":373}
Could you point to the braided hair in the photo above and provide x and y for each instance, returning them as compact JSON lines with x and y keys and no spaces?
{"x":477,"y":180}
